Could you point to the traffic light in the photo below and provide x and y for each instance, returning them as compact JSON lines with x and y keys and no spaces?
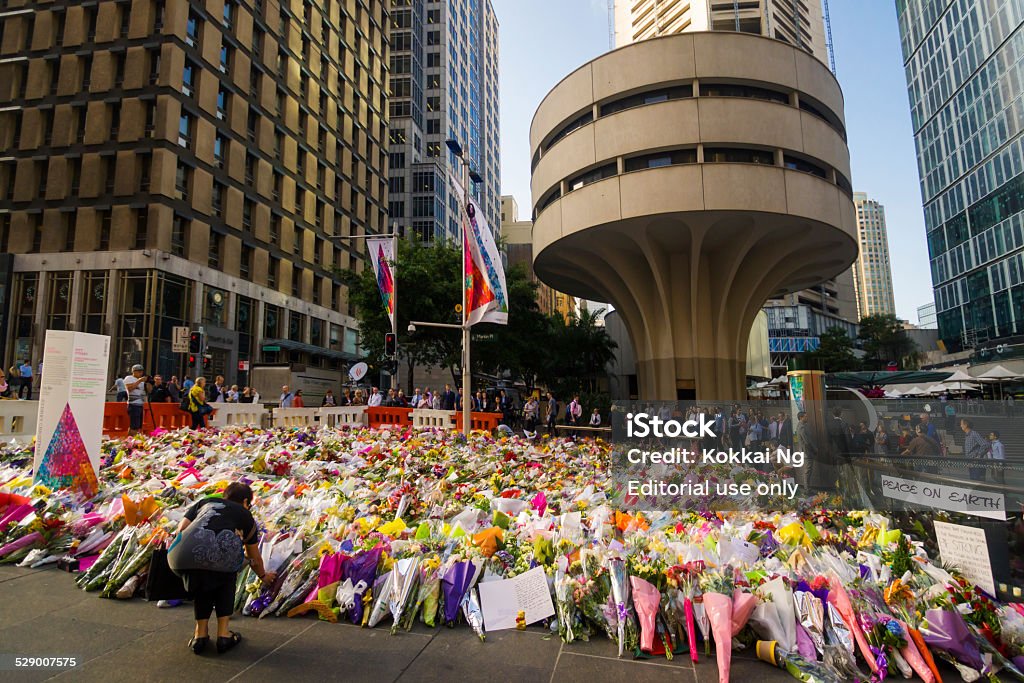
{"x":390,"y":344}
{"x":195,"y":344}
{"x":207,"y":361}
{"x":191,"y":361}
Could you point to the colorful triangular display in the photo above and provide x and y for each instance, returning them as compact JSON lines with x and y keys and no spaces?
{"x":66,"y":464}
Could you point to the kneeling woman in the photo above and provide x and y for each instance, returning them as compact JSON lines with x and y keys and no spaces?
{"x":212,"y":542}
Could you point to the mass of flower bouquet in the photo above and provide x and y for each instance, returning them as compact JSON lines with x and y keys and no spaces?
{"x":390,"y":527}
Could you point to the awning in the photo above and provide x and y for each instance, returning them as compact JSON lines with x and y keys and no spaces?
{"x":290,"y":345}
{"x":883,"y":378}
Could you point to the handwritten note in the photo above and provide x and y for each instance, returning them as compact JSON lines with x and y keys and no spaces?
{"x":502,"y":600}
{"x":965,"y":547}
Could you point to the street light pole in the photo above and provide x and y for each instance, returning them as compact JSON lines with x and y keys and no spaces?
{"x":467,"y":378}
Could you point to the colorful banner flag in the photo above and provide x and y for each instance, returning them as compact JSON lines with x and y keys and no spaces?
{"x":382,"y":255}
{"x":486,"y":293}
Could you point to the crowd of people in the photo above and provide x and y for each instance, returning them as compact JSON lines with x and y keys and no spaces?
{"x":18,"y":382}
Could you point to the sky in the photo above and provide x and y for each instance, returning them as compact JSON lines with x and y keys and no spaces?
{"x":541,"y":41}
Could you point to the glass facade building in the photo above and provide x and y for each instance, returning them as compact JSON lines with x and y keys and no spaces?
{"x":965,"y":77}
{"x":443,"y":85}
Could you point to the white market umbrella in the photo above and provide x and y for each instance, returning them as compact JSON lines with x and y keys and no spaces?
{"x":998,"y":374}
{"x":959,"y":376}
{"x":896,"y":393}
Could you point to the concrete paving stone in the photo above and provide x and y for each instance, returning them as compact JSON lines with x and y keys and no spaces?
{"x":573,"y":667}
{"x":162,"y":656}
{"x":38,"y":592}
{"x":504,"y":656}
{"x":53,"y":634}
{"x":600,"y":645}
{"x":136,"y":613}
{"x":743,"y":669}
{"x":337,"y":652}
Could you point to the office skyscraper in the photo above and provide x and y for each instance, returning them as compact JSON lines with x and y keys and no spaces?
{"x":872,"y":273}
{"x":444,"y":85}
{"x":172,"y":164}
{"x":965,"y":80}
{"x":795,"y":22}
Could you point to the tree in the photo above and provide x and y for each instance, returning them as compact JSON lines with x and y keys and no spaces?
{"x":427,"y":278}
{"x":516,"y":350}
{"x":581,"y":352}
{"x":884,"y":340}
{"x":835,"y":353}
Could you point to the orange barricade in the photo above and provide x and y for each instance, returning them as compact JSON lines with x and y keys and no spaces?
{"x":154,"y":416}
{"x":381,"y":416}
{"x":115,"y":419}
{"x":167,"y":416}
{"x":486,"y":422}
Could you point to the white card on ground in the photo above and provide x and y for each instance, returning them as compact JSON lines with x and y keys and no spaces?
{"x":502,"y":600}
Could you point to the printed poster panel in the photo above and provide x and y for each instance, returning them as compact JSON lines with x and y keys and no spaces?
{"x":72,"y":393}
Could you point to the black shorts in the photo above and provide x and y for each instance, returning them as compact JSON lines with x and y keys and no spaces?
{"x":134,"y":416}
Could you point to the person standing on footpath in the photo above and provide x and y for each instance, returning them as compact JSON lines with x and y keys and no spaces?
{"x":161,"y":392}
{"x":25,"y":374}
{"x":551,"y":416}
{"x":198,"y":406}
{"x":135,"y":385}
{"x":212,"y":542}
{"x":975,"y":448}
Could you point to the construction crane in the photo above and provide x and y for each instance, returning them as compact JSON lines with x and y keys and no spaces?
{"x":611,"y":24}
{"x":828,"y":38}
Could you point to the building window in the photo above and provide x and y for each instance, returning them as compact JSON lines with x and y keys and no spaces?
{"x":222,"y":104}
{"x":185,"y":130}
{"x":104,"y":217}
{"x":600,"y":173}
{"x":217,"y":198}
{"x":218,"y":150}
{"x":245,"y":265}
{"x":141,"y":228}
{"x":247,"y":214}
{"x":795,"y":164}
{"x":181,"y":180}
{"x":216,"y":249}
{"x":738,"y":156}
{"x":178,"y":236}
{"x":670,"y":158}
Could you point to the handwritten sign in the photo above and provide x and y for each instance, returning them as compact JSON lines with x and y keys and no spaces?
{"x":965,"y":547}
{"x":502,"y":600}
{"x":943,"y":497}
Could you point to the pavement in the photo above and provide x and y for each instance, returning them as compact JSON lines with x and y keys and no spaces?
{"x":43,"y":613}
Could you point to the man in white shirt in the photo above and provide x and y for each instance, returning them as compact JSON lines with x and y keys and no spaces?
{"x":286,"y":397}
{"x":595,"y":418}
{"x":135,"y":385}
{"x":375,"y":398}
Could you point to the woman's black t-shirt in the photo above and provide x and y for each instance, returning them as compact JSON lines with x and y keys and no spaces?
{"x":216,"y":538}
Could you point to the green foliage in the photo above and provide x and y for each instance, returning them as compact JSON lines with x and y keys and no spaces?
{"x":836,"y":352}
{"x":427,"y":279}
{"x":884,"y":340}
{"x":535,"y":349}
